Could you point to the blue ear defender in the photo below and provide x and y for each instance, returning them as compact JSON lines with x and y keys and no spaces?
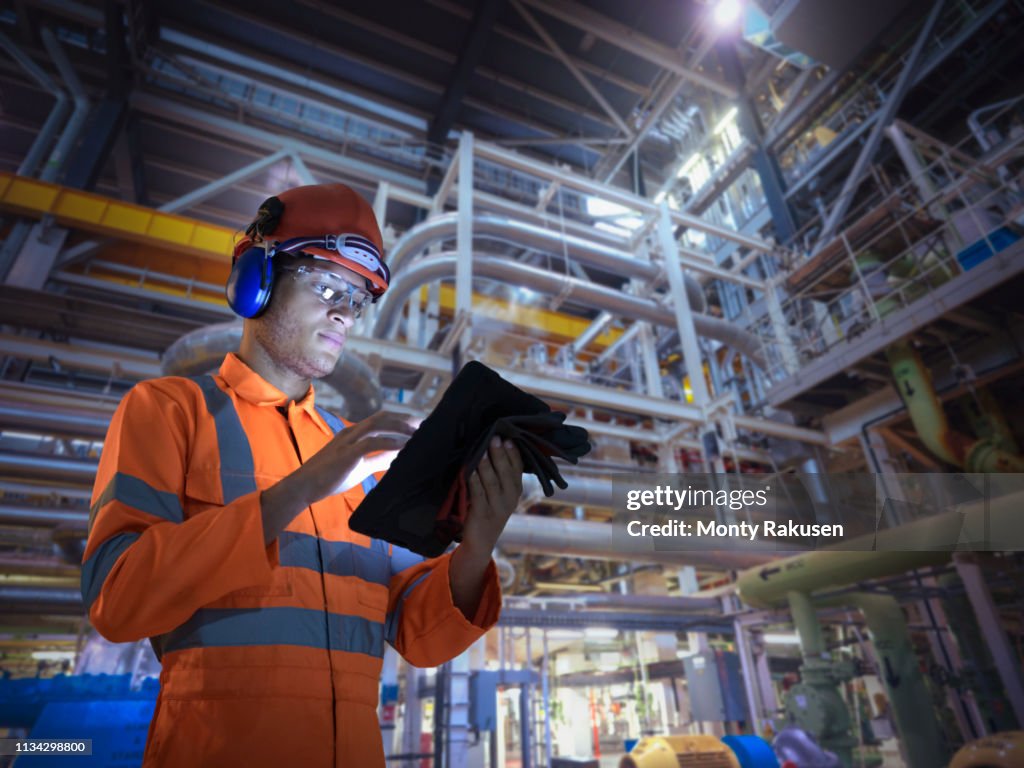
{"x":251,"y":280}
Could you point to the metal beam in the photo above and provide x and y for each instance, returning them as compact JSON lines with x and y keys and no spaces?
{"x":472,"y":49}
{"x":583,"y":80}
{"x":671,"y":89}
{"x":765,"y":163}
{"x":233,"y":130}
{"x":627,"y":39}
{"x":108,"y":117}
{"x":886,"y":114}
{"x":681,"y":306}
{"x":207,"y":191}
{"x":963,"y":288}
{"x":612,"y":194}
{"x":531,"y":43}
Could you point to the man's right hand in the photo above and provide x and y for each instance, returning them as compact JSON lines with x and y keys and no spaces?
{"x":334,"y":468}
{"x":344,"y":462}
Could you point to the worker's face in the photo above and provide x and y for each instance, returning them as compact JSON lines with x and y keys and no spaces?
{"x":299,"y":331}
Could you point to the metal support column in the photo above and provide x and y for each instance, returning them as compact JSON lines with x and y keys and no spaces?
{"x":750,"y":679}
{"x":888,"y":111}
{"x":458,"y":710}
{"x":652,"y":370}
{"x":992,"y":630}
{"x":681,"y":306}
{"x":780,"y":328}
{"x":764,"y":160}
{"x":464,"y":244}
{"x":57,"y":113}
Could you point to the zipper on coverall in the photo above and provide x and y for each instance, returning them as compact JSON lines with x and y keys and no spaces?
{"x":283,"y":410}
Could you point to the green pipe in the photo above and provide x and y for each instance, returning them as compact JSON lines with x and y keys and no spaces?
{"x":898,"y":667}
{"x":919,"y":544}
{"x":987,"y":420}
{"x":914,"y":383}
{"x":805,"y":617}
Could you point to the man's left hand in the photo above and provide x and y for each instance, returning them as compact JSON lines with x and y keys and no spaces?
{"x":494,"y":492}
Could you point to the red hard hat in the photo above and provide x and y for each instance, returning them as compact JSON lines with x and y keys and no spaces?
{"x":327,"y":221}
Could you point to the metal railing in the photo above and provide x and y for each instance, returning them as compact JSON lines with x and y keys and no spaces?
{"x":900,"y":247}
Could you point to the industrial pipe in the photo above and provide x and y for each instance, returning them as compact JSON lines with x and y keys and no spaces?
{"x":443,"y":227}
{"x":53,"y":420}
{"x":38,"y":599}
{"x":914,"y":384}
{"x":443,"y":265}
{"x":886,"y":553}
{"x":54,"y":469}
{"x":534,"y":534}
{"x":78,"y":115}
{"x":901,"y":674}
{"x":530,"y":534}
{"x":57,"y":114}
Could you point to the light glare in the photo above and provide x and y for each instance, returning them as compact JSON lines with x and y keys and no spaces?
{"x":726,"y":12}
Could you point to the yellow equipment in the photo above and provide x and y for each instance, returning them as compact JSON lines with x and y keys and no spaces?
{"x":1000,"y":750}
{"x":680,"y":752}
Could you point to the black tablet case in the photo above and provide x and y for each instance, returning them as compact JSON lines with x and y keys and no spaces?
{"x":422,"y":501}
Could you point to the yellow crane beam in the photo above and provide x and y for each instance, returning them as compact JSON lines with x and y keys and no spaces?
{"x":210,"y":246}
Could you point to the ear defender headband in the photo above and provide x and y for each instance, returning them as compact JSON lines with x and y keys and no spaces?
{"x":252,"y":272}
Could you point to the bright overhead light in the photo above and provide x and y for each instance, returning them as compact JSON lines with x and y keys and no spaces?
{"x":781,"y":639}
{"x":53,"y":655}
{"x":727,"y":119}
{"x":726,"y":12}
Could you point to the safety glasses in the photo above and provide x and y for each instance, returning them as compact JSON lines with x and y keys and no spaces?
{"x":332,"y":289}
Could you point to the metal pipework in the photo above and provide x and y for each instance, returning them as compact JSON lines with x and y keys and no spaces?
{"x":78,"y":115}
{"x":485,"y":226}
{"x":531,"y":534}
{"x":914,"y":384}
{"x":63,"y":470}
{"x":202,"y":350}
{"x":576,"y":538}
{"x":597,"y":296}
{"x":57,"y":113}
{"x":40,"y":599}
{"x":53,"y":420}
{"x":901,"y":674}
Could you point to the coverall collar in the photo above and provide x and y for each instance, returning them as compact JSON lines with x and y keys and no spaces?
{"x":250,"y":386}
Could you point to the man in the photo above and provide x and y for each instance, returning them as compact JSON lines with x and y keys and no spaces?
{"x":219,"y":516}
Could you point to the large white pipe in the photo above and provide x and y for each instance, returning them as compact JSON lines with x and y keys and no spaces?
{"x":439,"y":266}
{"x":520,"y":233}
{"x":556,"y":536}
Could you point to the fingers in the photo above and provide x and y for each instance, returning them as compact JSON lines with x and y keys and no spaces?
{"x":501,"y":471}
{"x":380,"y":423}
{"x":381,"y":443}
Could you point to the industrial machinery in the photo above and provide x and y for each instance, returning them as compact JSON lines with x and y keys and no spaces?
{"x":1000,"y":750}
{"x":680,"y":752}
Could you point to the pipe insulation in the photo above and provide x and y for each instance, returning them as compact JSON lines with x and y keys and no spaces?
{"x":530,"y":534}
{"x":922,"y":543}
{"x":914,"y":384}
{"x":520,"y":233}
{"x":600,"y":297}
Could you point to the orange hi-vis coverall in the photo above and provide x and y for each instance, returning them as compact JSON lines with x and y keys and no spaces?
{"x":271,"y":655}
